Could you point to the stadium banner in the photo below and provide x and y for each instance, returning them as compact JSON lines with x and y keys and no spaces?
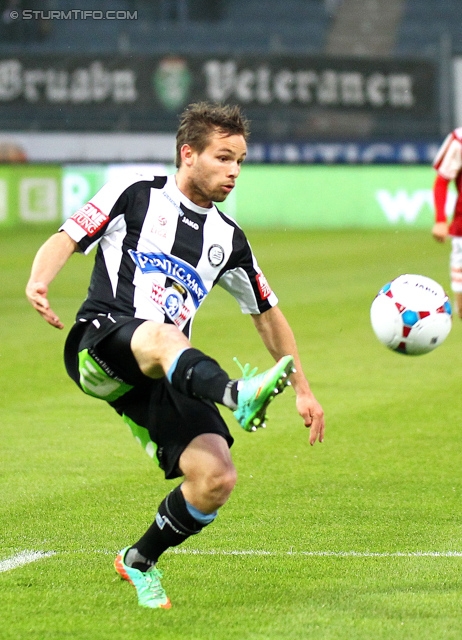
{"x":113,"y":147}
{"x":266,"y":196}
{"x":62,"y":147}
{"x":82,"y":181}
{"x":328,"y":197}
{"x":146,"y":93}
{"x":30,"y":193}
{"x":378,"y":152}
{"x":457,"y":82}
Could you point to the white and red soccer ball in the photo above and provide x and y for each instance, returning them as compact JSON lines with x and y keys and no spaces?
{"x":411,"y":314}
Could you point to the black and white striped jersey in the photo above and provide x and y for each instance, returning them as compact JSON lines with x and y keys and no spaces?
{"x":159,"y":254}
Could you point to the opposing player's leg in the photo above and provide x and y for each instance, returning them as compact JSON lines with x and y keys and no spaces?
{"x":456,"y":273}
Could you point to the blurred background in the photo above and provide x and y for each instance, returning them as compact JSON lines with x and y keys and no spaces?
{"x":325,"y":83}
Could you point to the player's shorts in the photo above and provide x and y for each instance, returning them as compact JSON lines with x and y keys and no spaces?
{"x":99,"y":359}
{"x":456,"y":264}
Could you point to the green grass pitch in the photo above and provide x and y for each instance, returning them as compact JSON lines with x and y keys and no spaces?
{"x":354,"y":539}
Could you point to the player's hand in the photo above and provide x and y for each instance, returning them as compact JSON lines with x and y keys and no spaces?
{"x":440,"y":231}
{"x":313,"y":416}
{"x":36,"y":293}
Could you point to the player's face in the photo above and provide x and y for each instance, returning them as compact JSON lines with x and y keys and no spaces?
{"x":211,"y":175}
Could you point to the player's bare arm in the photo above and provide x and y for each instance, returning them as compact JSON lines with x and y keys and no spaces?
{"x":48,"y":262}
{"x":279,"y":339}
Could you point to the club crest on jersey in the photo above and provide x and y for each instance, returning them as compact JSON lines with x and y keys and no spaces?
{"x":90,"y":219}
{"x":216,"y":255}
{"x":263,"y":286}
{"x":174,"y":268}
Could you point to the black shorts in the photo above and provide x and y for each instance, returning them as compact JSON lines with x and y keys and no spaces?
{"x":99,"y":359}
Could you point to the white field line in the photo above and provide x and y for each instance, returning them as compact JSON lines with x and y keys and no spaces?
{"x":323,"y":554}
{"x":25,"y":557}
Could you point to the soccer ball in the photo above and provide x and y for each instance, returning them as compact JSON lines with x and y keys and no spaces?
{"x":411,"y":314}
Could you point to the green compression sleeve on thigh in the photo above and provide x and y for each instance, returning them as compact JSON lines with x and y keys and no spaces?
{"x":141,"y":435}
{"x":96,"y":382}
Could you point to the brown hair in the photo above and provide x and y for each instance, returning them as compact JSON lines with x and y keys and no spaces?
{"x":201,"y":119}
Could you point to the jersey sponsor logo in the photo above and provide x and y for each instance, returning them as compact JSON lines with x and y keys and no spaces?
{"x":190,"y":223}
{"x":174,"y":268}
{"x":263,"y":286}
{"x":90,"y":218}
{"x":216,"y":255}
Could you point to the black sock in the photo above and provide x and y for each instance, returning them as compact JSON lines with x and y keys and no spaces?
{"x":172,"y":526}
{"x":133,"y":558}
{"x":196,"y":374}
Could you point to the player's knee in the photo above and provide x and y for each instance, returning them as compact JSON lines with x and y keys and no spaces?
{"x":158,"y":336}
{"x":219,"y":485}
{"x":154,"y":345}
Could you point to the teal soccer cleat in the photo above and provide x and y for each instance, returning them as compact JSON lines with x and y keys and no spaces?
{"x":147,"y":584}
{"x":255,"y":392}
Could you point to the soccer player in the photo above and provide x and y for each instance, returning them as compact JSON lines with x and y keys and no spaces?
{"x":448,"y":164}
{"x":161,"y":246}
